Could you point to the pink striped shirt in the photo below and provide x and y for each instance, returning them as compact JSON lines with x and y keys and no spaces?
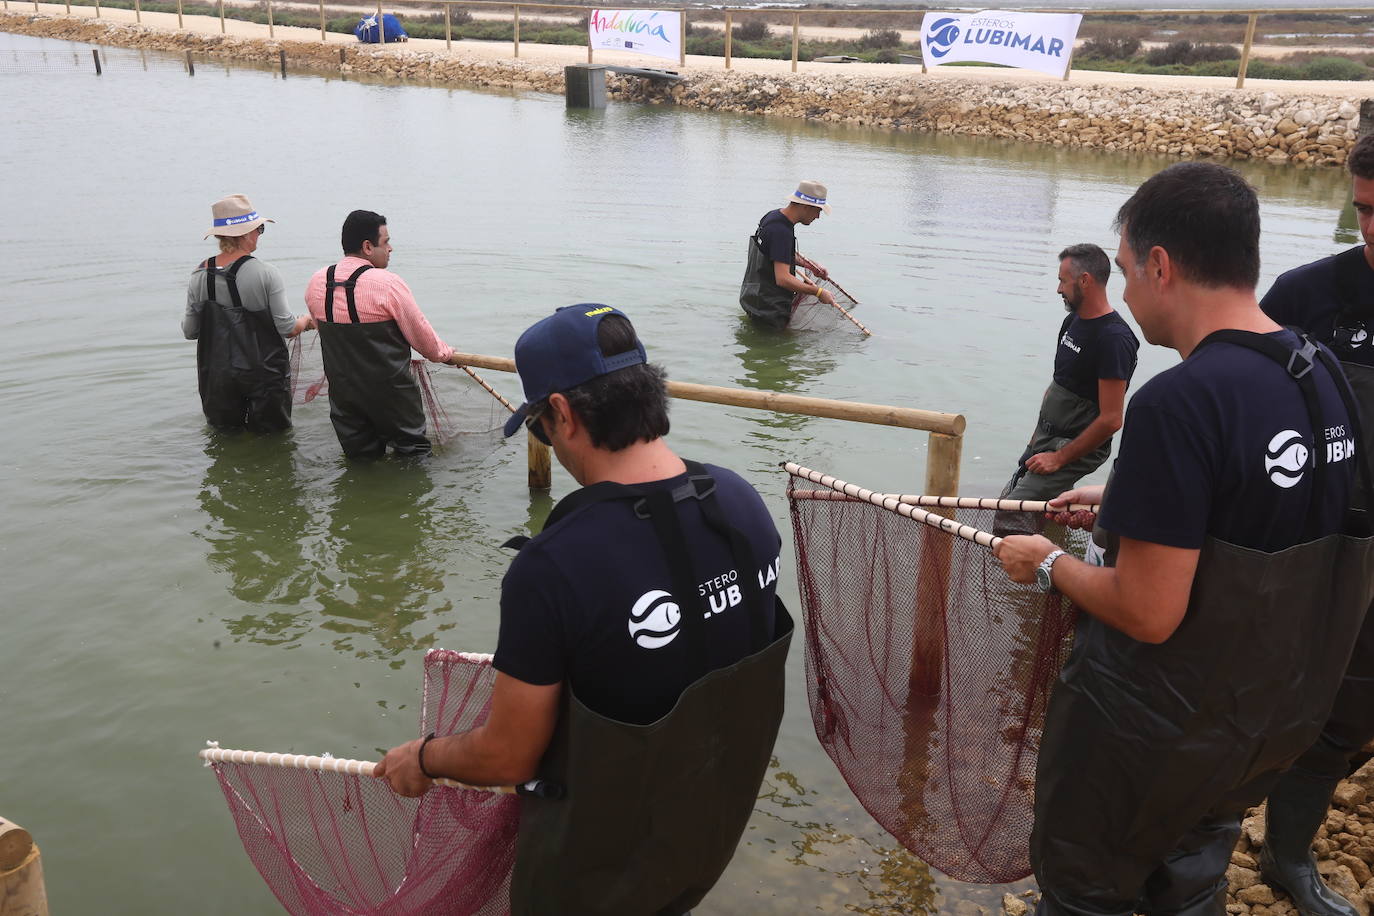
{"x":380,"y":296}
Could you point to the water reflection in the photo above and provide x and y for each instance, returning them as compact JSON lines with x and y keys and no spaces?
{"x":383,"y":559}
{"x":258,"y":519}
{"x":1347,"y":229}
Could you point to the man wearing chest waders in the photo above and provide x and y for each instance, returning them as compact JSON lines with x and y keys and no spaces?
{"x":641,"y":647}
{"x":369,"y":322}
{"x":236,"y":312}
{"x":1082,"y":408}
{"x":770,"y":277}
{"x":1209,"y":654}
{"x":1332,"y":300}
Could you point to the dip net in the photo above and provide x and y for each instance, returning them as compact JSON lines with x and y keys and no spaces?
{"x":810,"y":313}
{"x":331,"y":840}
{"x":928,"y":669}
{"x":457,"y":402}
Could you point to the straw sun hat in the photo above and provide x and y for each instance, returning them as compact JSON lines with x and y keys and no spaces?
{"x":810,"y":193}
{"x":234,"y":216}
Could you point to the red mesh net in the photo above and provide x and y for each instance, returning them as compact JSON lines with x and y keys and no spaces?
{"x":928,"y":672}
{"x":455,"y":403}
{"x":810,"y":313}
{"x":330,"y":844}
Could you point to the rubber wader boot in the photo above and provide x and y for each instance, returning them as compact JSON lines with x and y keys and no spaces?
{"x":1297,"y":807}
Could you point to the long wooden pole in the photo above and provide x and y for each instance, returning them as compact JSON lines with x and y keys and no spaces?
{"x":954,"y":502}
{"x":1245,"y":52}
{"x":729,"y":37}
{"x":448,"y":27}
{"x":320,"y":765}
{"x":180,"y":23}
{"x":271,"y":25}
{"x":517,"y":30}
{"x":796,"y":38}
{"x":951,"y":425}
{"x":490,"y":390}
{"x":221,"y":17}
{"x":322,"y":35}
{"x":682,"y":36}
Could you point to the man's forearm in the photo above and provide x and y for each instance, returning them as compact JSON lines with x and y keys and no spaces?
{"x":1098,"y":591}
{"x":474,"y":758}
{"x":1099,"y":431}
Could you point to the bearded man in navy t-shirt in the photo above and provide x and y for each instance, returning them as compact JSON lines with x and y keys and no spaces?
{"x":1094,"y":359}
{"x":1333,"y":300}
{"x":641,"y":648}
{"x":1208,"y":654}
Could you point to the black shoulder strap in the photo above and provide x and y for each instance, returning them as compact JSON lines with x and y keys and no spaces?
{"x":210,"y":271}
{"x":330,"y":284}
{"x":742,"y":552}
{"x":231,"y":278}
{"x":1298,"y":364}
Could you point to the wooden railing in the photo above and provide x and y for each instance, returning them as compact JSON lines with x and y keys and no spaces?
{"x":945,"y":441}
{"x":795,"y":17}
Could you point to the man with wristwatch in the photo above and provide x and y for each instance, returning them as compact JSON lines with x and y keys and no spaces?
{"x":1212,"y":645}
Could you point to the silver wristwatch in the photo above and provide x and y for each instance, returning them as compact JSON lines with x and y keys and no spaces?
{"x":1042,"y":572}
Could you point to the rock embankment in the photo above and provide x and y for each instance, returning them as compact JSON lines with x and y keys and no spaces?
{"x":1309,"y":129}
{"x":1223,"y":124}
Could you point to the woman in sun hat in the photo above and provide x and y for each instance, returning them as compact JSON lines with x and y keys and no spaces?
{"x":236,"y":312}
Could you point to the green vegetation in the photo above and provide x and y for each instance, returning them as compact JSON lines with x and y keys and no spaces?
{"x":1184,"y":58}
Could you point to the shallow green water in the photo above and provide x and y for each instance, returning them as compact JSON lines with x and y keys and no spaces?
{"x":162,"y":586}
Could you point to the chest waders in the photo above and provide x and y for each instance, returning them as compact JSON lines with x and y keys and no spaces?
{"x":653,"y":813}
{"x":1297,"y":805}
{"x":242,"y":365}
{"x":1150,"y":753}
{"x":373,"y":398}
{"x":760,"y":295}
{"x":1063,"y":415}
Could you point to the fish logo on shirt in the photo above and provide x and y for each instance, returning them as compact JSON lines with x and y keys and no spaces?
{"x":1286,"y":458}
{"x":655,"y":620}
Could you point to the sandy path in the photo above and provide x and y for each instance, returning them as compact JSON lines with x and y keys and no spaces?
{"x":562,"y":55}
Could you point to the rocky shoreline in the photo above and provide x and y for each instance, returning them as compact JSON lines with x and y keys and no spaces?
{"x":1309,"y":130}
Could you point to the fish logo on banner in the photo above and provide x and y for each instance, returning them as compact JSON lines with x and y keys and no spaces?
{"x":1029,"y":41}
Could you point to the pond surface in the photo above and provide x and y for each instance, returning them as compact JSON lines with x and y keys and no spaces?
{"x":163,"y":585}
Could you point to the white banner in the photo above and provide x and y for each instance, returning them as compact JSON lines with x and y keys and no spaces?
{"x":654,"y":32}
{"x":1030,"y":41}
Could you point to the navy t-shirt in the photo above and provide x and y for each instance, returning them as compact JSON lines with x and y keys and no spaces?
{"x":1092,"y":349}
{"x":1221,"y":445}
{"x":589,"y":601}
{"x":1310,"y":297}
{"x":778,"y":238}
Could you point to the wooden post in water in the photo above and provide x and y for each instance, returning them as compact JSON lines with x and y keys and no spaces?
{"x":943,"y":454}
{"x":796,"y":38}
{"x":448,"y":27}
{"x":682,"y":34}
{"x":21,"y":873}
{"x":729,"y":36}
{"x":282,"y":52}
{"x":95,"y":55}
{"x":517,"y":30}
{"x":541,"y":463}
{"x":190,"y":64}
{"x":271,"y":23}
{"x":1245,"y":52}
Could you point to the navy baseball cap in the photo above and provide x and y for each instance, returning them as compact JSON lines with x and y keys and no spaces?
{"x":562,"y":352}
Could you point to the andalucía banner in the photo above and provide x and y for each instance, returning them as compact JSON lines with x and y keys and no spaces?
{"x":1030,"y":41}
{"x":642,"y":31}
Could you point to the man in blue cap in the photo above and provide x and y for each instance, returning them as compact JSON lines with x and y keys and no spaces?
{"x":641,"y":647}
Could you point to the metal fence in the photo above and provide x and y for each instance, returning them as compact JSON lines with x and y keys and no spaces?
{"x":795,"y":18}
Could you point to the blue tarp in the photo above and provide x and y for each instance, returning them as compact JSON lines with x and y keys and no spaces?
{"x":366,"y":29}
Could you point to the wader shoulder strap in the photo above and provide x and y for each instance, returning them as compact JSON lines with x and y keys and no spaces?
{"x":231,"y":278}
{"x":743,"y":553}
{"x":1298,"y":364}
{"x":691,"y":606}
{"x":349,"y":285}
{"x":210,"y":271}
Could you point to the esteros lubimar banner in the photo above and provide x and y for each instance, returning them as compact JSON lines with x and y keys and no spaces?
{"x":1030,"y":41}
{"x":654,"y":32}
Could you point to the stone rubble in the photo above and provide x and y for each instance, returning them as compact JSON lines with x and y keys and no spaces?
{"x":1187,"y":123}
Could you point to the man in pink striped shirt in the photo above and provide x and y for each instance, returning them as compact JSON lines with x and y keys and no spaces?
{"x":368,"y":323}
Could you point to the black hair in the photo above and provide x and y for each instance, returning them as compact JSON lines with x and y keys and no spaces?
{"x":1360,"y":161}
{"x":1088,"y":259}
{"x":628,"y":405}
{"x":361,"y":226}
{"x":1205,"y":216}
